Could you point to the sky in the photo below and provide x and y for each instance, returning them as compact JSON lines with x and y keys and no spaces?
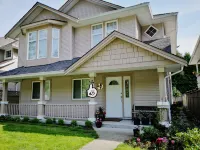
{"x":188,"y":20}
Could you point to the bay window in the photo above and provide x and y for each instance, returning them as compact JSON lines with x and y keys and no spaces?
{"x":111,"y":26}
{"x":97,"y":34}
{"x":32,"y":45}
{"x":55,"y":42}
{"x":80,"y":87}
{"x":42,"y":44}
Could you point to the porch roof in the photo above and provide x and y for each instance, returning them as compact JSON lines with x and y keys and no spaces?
{"x":53,"y":67}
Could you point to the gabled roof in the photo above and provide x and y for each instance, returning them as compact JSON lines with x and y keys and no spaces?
{"x":196,"y":54}
{"x":70,"y":3}
{"x":129,"y":39}
{"x":37,"y":5}
{"x":4,"y":41}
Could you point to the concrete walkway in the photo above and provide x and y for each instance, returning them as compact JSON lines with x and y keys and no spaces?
{"x":109,"y":138}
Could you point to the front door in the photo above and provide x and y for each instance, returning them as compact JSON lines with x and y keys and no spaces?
{"x":114,"y":97}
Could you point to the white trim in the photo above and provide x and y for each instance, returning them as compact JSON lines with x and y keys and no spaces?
{"x":32,"y":91}
{"x":6,"y":58}
{"x":28,"y":45}
{"x":149,"y":28}
{"x":96,"y":34}
{"x":85,"y":99}
{"x":42,"y":102}
{"x":127,"y":98}
{"x":4,"y":102}
{"x":52,"y":38}
{"x":38,"y":43}
{"x":49,"y":89}
{"x":106,"y":34}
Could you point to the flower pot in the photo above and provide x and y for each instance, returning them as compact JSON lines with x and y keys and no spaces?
{"x":98,"y":124}
{"x":136,"y":132}
{"x":136,"y":121}
{"x":145,"y":121}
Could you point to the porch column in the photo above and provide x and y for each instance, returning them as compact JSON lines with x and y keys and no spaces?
{"x":161,"y":75}
{"x":4,"y":101}
{"x":92,"y":102}
{"x":42,"y":102}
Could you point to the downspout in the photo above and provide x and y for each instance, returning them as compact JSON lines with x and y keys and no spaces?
{"x":165,"y":80}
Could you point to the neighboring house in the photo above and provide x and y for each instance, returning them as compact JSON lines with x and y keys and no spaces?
{"x":9,"y":59}
{"x":130,"y":51}
{"x":195,"y":60}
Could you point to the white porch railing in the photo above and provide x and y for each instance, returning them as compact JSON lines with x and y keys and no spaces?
{"x":22,"y":110}
{"x":67,"y":111}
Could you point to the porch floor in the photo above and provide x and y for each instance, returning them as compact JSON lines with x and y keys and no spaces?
{"x":124,"y":124}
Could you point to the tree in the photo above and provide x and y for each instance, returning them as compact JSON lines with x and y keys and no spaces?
{"x":186,"y":81}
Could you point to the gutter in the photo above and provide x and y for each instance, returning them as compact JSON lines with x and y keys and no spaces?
{"x":165,"y":80}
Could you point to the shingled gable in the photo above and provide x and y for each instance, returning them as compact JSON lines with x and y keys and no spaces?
{"x":114,"y":35}
{"x":35,"y":11}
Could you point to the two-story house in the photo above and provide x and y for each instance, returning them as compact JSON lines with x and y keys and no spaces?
{"x":127,"y":52}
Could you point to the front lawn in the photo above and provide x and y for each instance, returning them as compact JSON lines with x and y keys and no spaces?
{"x":126,"y":147}
{"x":40,"y":137}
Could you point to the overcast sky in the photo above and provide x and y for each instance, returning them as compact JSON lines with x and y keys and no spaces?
{"x":188,"y":22}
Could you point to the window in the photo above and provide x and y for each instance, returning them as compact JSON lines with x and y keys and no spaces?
{"x":36,"y":90}
{"x":80,"y":87}
{"x":55,"y":42}
{"x":47,"y":89}
{"x":32,"y":42}
{"x":97,"y":34}
{"x":42,"y":43}
{"x":151,"y":31}
{"x":111,"y":26}
{"x":127,"y":88}
{"x":8,"y":54}
{"x":113,"y":83}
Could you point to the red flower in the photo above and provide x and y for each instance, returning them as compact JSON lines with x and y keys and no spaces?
{"x":138,"y":140}
{"x":173,"y":142}
{"x":159,"y":140}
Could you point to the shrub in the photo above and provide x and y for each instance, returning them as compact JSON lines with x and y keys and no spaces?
{"x":2,"y":118}
{"x":49,"y":121}
{"x":8,"y":118}
{"x":61,"y":122}
{"x":35,"y":120}
{"x":88,"y":124}
{"x":74,"y":123}
{"x":54,"y":120}
{"x":25,"y":119}
{"x":16,"y":119}
{"x":150,"y":133}
{"x":190,"y":139}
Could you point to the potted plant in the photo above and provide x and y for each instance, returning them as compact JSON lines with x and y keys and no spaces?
{"x":101,"y":113}
{"x":136,"y":132}
{"x":136,"y":119}
{"x":98,"y":122}
{"x":145,"y":118}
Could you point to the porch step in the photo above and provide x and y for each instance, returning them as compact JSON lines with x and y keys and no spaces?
{"x":124,"y":124}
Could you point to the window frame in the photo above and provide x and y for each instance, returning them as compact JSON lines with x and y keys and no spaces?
{"x":149,"y":28}
{"x":38,"y":43}
{"x":85,"y":99}
{"x":10,"y":56}
{"x":111,"y":22}
{"x":96,"y":34}
{"x":32,"y":91}
{"x":52,"y":38}
{"x":32,"y":41}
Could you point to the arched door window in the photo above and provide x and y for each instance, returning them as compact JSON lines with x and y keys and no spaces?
{"x":114,"y":82}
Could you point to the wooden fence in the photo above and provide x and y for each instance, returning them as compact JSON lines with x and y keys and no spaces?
{"x":193,"y":102}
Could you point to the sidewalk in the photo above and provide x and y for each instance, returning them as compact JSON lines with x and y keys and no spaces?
{"x":109,"y":138}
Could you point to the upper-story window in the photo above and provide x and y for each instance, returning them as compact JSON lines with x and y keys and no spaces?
{"x":151,"y":31}
{"x":8,"y":54}
{"x":55,"y":42}
{"x":111,"y":26}
{"x":32,"y":45}
{"x":97,"y":34}
{"x":42,"y":43}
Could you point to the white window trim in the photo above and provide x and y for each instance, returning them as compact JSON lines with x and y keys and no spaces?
{"x":50,"y":90}
{"x":52,"y":43}
{"x":10,"y":56}
{"x":32,"y":91}
{"x":110,"y":22}
{"x":85,"y":99}
{"x":28,"y":44}
{"x":95,"y":34}
{"x":38,"y":43}
{"x":148,"y":29}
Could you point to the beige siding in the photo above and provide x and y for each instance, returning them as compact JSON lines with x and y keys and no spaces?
{"x":84,"y":9}
{"x":158,"y":35}
{"x":122,"y":55}
{"x":1,"y":55}
{"x":146,"y":87}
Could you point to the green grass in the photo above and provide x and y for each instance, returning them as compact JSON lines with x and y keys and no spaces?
{"x":39,"y":137}
{"x":126,"y":147}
